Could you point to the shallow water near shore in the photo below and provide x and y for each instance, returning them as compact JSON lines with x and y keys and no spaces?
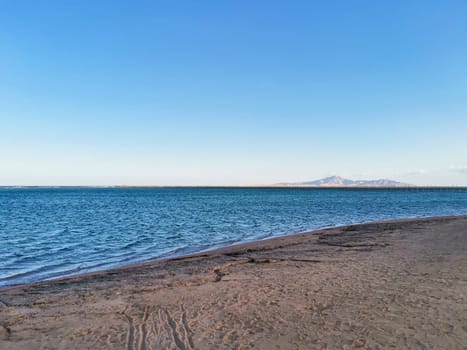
{"x":53,"y":232}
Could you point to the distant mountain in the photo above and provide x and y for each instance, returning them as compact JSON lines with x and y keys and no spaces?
{"x":337,"y":181}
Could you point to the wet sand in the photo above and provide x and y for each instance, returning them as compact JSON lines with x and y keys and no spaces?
{"x":399,"y":284}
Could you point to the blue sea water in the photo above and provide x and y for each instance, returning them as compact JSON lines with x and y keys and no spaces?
{"x":52,"y":232}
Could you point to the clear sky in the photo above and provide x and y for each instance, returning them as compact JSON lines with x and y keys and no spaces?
{"x":232,"y":92}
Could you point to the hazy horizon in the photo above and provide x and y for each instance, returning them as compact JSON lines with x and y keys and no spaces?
{"x":152,"y":93}
{"x":282,"y":184}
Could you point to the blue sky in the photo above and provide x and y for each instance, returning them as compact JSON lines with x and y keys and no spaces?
{"x":232,"y":92}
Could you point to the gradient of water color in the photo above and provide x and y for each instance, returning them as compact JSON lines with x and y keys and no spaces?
{"x":51,"y":232}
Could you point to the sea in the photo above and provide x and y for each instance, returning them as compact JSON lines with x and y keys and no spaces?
{"x":47,"y":233}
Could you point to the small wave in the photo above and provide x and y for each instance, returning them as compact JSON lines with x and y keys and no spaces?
{"x":32,"y":272}
{"x":131,"y":244}
{"x":57,"y":233}
{"x":172,"y":252}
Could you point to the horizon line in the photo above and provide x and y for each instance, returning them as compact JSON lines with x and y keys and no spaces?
{"x":240,"y":186}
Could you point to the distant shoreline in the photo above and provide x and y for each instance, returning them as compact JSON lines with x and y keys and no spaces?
{"x":244,"y":187}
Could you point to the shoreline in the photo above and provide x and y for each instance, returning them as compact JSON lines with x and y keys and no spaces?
{"x":218,"y":250}
{"x":399,"y":283}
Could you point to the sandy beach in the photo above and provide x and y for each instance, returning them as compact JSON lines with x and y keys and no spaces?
{"x":396,"y":284}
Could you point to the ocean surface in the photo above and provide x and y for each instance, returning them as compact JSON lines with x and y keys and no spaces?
{"x":52,"y":232}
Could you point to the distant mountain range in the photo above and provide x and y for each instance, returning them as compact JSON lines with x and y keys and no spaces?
{"x":337,"y":181}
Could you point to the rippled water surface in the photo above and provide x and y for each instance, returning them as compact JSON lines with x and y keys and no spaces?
{"x":52,"y":232}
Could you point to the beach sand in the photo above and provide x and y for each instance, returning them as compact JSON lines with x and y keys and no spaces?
{"x":396,"y":284}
